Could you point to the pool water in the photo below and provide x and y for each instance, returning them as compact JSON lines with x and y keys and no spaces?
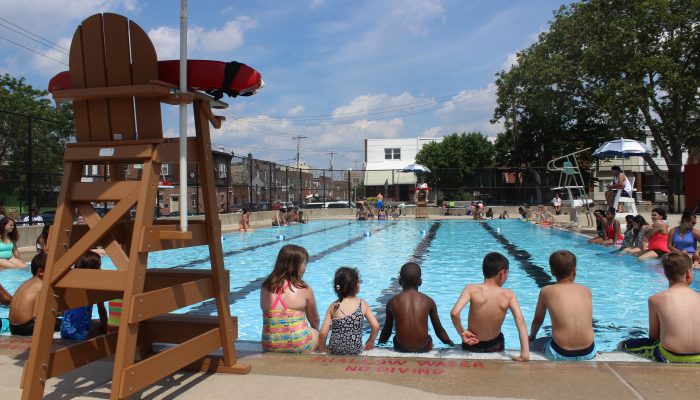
{"x":450,"y":253}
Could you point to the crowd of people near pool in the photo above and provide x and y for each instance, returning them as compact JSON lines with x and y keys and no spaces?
{"x":291,"y":321}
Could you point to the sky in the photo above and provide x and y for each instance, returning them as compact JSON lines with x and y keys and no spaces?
{"x":335,"y":71}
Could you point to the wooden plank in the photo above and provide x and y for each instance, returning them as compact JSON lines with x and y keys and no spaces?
{"x":77,"y":78}
{"x":74,"y":298}
{"x":179,"y":328}
{"x":94,"y":54}
{"x":138,"y":376}
{"x":102,"y":191}
{"x":113,"y":92}
{"x":144,"y":68}
{"x":116,"y":152}
{"x":118,"y":61}
{"x":77,"y":355}
{"x":158,"y":302}
{"x":175,"y":235}
{"x":112,"y":143}
{"x":34,"y":375}
{"x":151,"y":239}
{"x":169,"y":151}
{"x":213,"y":230}
{"x":112,"y":243}
{"x":128,"y":333}
{"x":216,"y":364}
{"x":158,"y":278}
{"x":94,"y":279}
{"x":89,"y":240}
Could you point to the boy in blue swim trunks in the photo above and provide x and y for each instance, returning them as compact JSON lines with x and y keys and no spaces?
{"x":674,"y":321}
{"x":77,"y":323}
{"x":570,"y":308}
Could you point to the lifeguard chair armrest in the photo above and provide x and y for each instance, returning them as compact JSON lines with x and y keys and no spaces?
{"x":144,"y":90}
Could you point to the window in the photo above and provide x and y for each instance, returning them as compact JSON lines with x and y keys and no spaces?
{"x":165,"y":169}
{"x":221,"y":170}
{"x":392,"y":154}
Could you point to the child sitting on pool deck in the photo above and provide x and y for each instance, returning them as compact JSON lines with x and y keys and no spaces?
{"x":77,"y":322}
{"x":571,"y":311}
{"x":489,"y":305}
{"x":411,"y":310}
{"x":344,"y":317}
{"x":674,"y":321}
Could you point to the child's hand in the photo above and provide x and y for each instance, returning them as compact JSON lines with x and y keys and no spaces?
{"x":522,"y":357}
{"x":369,"y":346}
{"x":469,"y":338}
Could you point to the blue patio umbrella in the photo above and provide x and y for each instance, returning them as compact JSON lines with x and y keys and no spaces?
{"x":416,"y":168}
{"x":622,"y":148}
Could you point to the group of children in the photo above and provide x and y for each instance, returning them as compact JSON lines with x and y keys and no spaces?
{"x":645,"y":240}
{"x":291,"y":320}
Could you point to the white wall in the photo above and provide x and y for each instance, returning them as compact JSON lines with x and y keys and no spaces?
{"x":409,"y":149}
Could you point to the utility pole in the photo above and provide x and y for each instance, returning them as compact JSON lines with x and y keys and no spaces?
{"x":298,"y":139}
{"x":356,"y":162}
{"x":332,"y":153}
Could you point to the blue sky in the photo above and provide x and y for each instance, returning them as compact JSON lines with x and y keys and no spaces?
{"x":336,"y":71}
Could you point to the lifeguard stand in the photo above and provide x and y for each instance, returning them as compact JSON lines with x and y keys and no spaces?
{"x":422,"y":203}
{"x":571,"y":181}
{"x":116,"y":99}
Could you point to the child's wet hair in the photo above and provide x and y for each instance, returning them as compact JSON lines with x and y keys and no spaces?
{"x":562,"y":263}
{"x":38,"y":262}
{"x":89,"y":260}
{"x":345,"y":282}
{"x":410,"y":274}
{"x":493,"y":264}
{"x":675,"y":266}
{"x":287,"y":268}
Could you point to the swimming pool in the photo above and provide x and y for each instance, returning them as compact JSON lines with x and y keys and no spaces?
{"x":450,"y":253}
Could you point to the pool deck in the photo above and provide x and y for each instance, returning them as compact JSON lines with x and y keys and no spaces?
{"x":442,"y":374}
{"x":316,"y":376}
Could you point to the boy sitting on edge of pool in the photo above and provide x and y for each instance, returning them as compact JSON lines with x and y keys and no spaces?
{"x":570,"y":308}
{"x":674,"y":321}
{"x":489,"y":305}
{"x":411,"y":310}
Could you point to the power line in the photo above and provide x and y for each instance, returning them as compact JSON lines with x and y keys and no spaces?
{"x":38,"y":41}
{"x":57,"y":46}
{"x":32,"y":50}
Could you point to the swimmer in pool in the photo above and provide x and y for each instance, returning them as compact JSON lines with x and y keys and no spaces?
{"x":489,"y":303}
{"x":411,"y":310}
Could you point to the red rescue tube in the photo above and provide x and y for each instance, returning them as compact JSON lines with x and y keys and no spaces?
{"x":203,"y":75}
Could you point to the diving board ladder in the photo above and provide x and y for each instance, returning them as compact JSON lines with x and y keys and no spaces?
{"x":116,"y":99}
{"x":571,"y":181}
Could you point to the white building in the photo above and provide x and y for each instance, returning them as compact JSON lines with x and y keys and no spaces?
{"x":384,"y":160}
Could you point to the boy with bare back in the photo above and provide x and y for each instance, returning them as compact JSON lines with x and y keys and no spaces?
{"x":674,"y":321}
{"x":570,"y":307}
{"x":411,"y":310}
{"x":489,"y":303}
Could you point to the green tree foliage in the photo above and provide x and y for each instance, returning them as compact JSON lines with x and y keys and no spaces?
{"x":454,"y":159}
{"x":606,"y":69}
{"x":22,"y":108}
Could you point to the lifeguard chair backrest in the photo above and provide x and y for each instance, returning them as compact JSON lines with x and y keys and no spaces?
{"x":110,"y":50}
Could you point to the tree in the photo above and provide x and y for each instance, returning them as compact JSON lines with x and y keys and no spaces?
{"x":605,"y":69}
{"x":454,"y":159}
{"x":26,"y":171}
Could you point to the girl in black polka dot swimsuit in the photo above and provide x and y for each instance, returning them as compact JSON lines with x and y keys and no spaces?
{"x":344,"y":317}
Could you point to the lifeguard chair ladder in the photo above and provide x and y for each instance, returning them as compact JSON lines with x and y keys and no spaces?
{"x":571,"y":181}
{"x":116,"y":98}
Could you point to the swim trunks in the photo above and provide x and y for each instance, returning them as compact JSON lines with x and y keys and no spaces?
{"x":486,"y":346}
{"x":652,"y":349}
{"x":423,"y":349}
{"x":27,"y":328}
{"x":552,"y":351}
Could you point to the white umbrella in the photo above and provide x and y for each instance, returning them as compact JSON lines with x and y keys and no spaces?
{"x":416,"y":168}
{"x":623,"y":148}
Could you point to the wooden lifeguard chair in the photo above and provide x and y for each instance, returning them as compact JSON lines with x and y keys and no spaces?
{"x":116,"y":99}
{"x":422,"y":203}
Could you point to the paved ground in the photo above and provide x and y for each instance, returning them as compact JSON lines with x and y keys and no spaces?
{"x":446,"y":374}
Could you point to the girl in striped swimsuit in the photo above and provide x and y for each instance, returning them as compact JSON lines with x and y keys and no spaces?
{"x":290,"y":316}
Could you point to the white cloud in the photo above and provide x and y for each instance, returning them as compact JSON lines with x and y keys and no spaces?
{"x":199,"y":40}
{"x":47,"y":64}
{"x":316,"y":3}
{"x":376,"y":104}
{"x":413,"y":15}
{"x":470,"y":111}
{"x":510,"y":62}
{"x":435,"y":131}
{"x":296,"y":111}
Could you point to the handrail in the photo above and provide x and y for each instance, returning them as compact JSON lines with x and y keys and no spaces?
{"x":552,"y":167}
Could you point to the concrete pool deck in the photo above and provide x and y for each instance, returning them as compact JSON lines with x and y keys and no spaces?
{"x":318,"y":376}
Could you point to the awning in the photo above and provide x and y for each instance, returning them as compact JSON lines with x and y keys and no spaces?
{"x":379,"y":178}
